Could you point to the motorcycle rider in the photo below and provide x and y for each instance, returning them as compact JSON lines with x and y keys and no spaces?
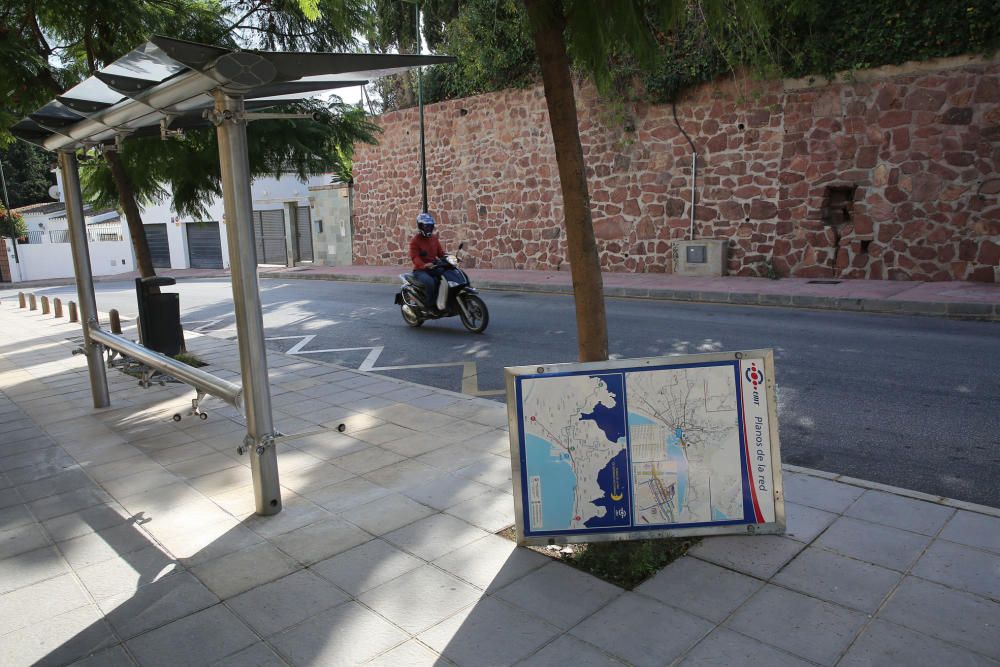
{"x":425,"y":248}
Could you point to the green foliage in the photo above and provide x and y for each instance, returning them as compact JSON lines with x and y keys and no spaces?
{"x":190,"y":359}
{"x":26,"y":170}
{"x":12,"y":225}
{"x":492,"y":41}
{"x":816,"y":37}
{"x":628,"y":564}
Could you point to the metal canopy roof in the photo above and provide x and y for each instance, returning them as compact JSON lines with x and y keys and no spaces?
{"x":173,"y":80}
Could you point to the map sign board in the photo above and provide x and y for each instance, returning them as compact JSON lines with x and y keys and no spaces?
{"x":641,"y":448}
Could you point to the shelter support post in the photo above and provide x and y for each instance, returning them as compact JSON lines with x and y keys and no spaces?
{"x":289,"y":209}
{"x":235,"y":169}
{"x":70,"y":169}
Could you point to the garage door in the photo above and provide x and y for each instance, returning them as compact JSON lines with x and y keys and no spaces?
{"x":204,"y":245}
{"x":303,"y":230}
{"x":269,"y":235}
{"x":156,"y":237}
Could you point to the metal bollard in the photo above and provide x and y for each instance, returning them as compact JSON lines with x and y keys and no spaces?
{"x":21,"y":302}
{"x":72,"y":312}
{"x":57,"y":307}
{"x":116,"y":322}
{"x":32,"y":305}
{"x":45,"y":305}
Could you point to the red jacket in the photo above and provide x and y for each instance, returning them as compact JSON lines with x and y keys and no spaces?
{"x":424,"y":250}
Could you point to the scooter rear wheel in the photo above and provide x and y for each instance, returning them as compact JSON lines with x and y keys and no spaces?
{"x":409,"y":316}
{"x":478,"y":317}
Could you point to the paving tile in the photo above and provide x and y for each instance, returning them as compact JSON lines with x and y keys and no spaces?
{"x":974,"y":530}
{"x":156,"y":604}
{"x":471,"y":637}
{"x":452,"y":457}
{"x":411,"y":654}
{"x":139,"y":482}
{"x":420,"y":598}
{"x":60,"y":640}
{"x":492,"y":511}
{"x":283,"y":603}
{"x":492,"y":470}
{"x":884,"y":643}
{"x":84,"y":522}
{"x":820,"y":493}
{"x":759,"y":556}
{"x":121,"y":576}
{"x":109,"y":657}
{"x":9,"y":498}
{"x":961,"y":567}
{"x":69,"y":480}
{"x":256,"y":655}
{"x":320,"y":540}
{"x":114,"y":542}
{"x":66,"y":503}
{"x":804,"y":523}
{"x":314,"y":477}
{"x":209,"y":540}
{"x":632,"y":628}
{"x":416,"y":445}
{"x":889,"y":547}
{"x":122,"y":468}
{"x":240,"y":571}
{"x":15,"y":516}
{"x":403,"y":475}
{"x":445,"y":491}
{"x":328,"y":445}
{"x":899,"y":512}
{"x":346,"y":635}
{"x":379,"y":435}
{"x":834,"y":578}
{"x":31,"y":567}
{"x":387,"y":514}
{"x":367,"y":566}
{"x":568,"y":650}
{"x":40,"y":601}
{"x":802,"y":625}
{"x":491,"y":563}
{"x":21,"y":539}
{"x":203,"y":465}
{"x":435,"y":536}
{"x":198,"y":639}
{"x":561,"y":595}
{"x":725,"y":647}
{"x":700,"y":588}
{"x":295,"y":514}
{"x":347,"y":495}
{"x":367,"y":460}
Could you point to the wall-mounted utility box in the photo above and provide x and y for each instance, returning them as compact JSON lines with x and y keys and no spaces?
{"x":702,"y":257}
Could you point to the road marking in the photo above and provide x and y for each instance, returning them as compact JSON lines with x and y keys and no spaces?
{"x":470,"y":373}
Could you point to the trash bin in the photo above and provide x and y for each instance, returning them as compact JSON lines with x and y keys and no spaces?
{"x":159,"y":316}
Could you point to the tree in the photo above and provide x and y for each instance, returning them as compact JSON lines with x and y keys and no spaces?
{"x":48,"y":45}
{"x":27,"y":174}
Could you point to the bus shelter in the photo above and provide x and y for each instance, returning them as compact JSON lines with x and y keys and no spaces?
{"x":167,"y":85}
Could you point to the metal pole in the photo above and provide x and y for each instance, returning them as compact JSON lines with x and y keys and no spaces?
{"x":420,"y":106}
{"x":235,"y":169}
{"x":84,"y":278}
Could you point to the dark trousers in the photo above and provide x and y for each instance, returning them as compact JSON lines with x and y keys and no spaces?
{"x":429,"y":279}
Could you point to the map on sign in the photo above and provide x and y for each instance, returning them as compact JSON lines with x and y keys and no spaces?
{"x":649,"y":448}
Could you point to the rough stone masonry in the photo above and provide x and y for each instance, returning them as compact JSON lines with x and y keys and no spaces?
{"x":890,"y":175}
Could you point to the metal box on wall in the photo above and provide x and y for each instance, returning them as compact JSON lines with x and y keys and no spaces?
{"x":702,"y":257}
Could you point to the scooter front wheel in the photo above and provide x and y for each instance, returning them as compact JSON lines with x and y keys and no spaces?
{"x":409,"y":316}
{"x":474,"y":313}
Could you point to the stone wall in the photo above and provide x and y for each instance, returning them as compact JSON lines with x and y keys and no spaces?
{"x":915,"y":154}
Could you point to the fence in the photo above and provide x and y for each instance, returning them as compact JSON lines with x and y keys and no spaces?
{"x":101,"y":232}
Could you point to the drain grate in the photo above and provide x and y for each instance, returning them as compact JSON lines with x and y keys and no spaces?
{"x":823,"y":282}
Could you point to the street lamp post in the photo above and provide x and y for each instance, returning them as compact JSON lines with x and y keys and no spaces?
{"x":420,"y":107}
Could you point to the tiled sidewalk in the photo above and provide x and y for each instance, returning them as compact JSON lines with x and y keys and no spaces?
{"x":127,"y":538}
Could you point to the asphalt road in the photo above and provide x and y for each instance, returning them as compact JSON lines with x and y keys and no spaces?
{"x":906,"y":401}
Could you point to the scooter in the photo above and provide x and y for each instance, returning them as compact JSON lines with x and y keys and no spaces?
{"x":456,"y":296}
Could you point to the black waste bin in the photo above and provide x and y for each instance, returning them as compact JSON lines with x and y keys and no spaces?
{"x":159,"y":316}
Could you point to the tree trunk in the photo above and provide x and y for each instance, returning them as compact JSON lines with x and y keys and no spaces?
{"x":136,"y":231}
{"x":548,"y":24}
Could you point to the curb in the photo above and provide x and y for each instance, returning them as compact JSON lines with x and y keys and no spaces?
{"x":954,"y":310}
